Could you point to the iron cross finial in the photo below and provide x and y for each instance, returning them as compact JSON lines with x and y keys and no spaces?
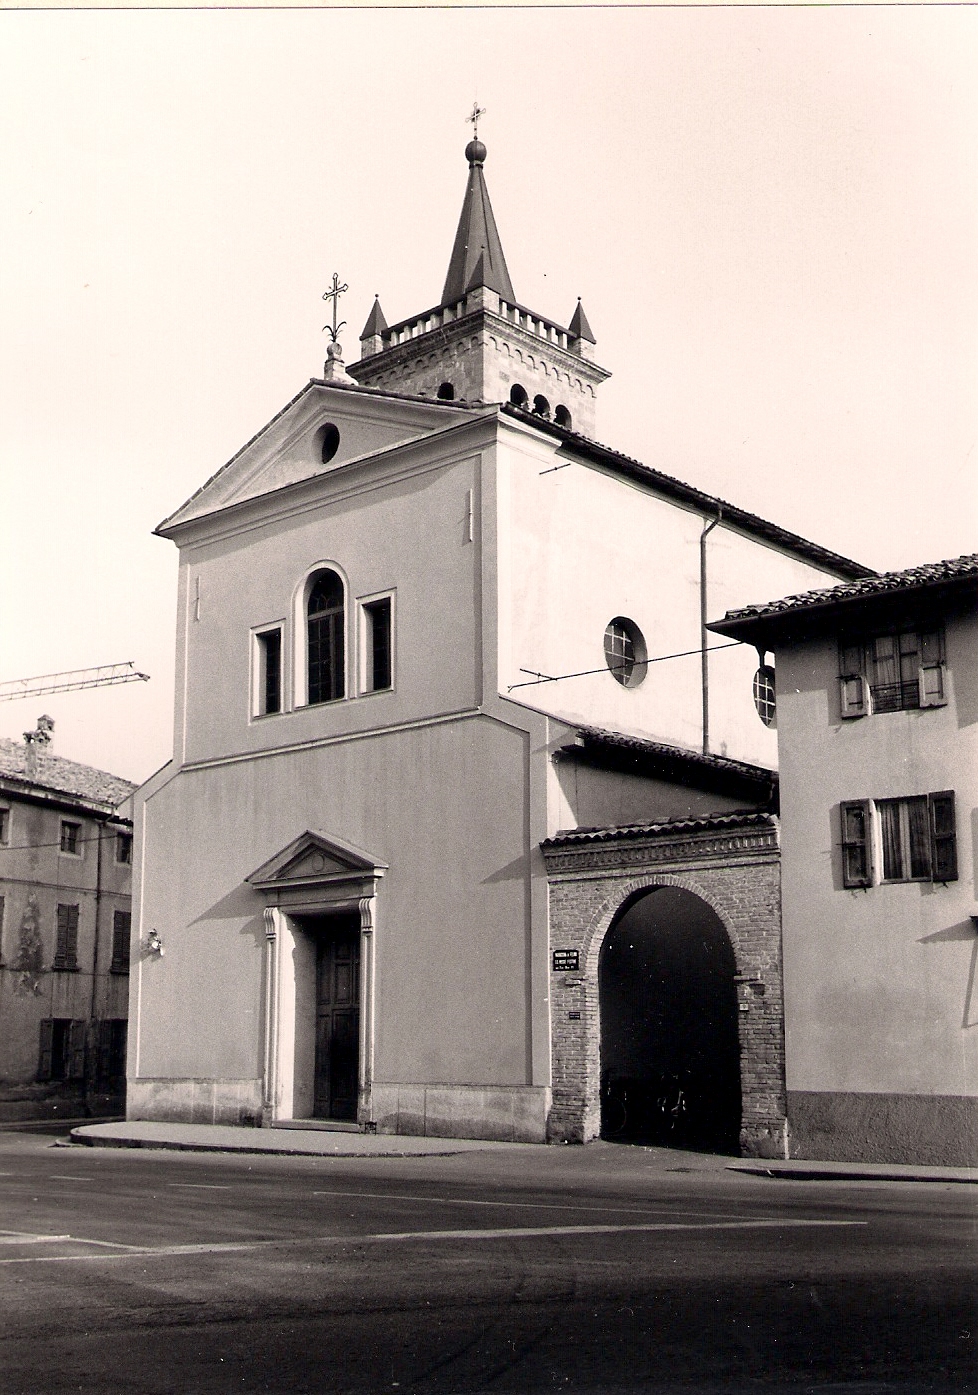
{"x":333,"y":294}
{"x":477,"y":111}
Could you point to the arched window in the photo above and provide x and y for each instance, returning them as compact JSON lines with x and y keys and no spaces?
{"x":324,"y":630}
{"x":562,"y":416}
{"x":517,"y":395}
{"x":327,"y":441}
{"x":765,"y":699}
{"x":446,"y":392}
{"x":541,"y":406}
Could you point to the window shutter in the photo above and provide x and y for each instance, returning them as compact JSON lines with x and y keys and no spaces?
{"x":76,"y":1050}
{"x":71,"y":952}
{"x":47,"y":1044}
{"x":854,"y":695}
{"x":943,"y":846}
{"x":856,"y":865}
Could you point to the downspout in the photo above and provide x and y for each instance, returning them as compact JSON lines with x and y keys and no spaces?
{"x":92,"y":1069}
{"x":704,"y":661}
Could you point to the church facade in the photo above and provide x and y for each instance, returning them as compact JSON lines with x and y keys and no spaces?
{"x":428,"y":627}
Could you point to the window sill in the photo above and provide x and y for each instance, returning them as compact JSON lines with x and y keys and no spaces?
{"x":119,"y":969}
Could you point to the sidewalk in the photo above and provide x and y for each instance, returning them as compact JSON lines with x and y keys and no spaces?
{"x":225,"y":1138}
{"x":350,"y":1143}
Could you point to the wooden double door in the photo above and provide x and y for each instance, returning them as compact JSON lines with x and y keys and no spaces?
{"x":337,"y":1017}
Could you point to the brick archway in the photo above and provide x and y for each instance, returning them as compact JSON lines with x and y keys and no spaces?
{"x":731,"y":862}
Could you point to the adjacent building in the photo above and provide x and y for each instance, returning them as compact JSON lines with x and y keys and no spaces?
{"x":426,"y":625}
{"x":65,"y":911}
{"x":877,"y":721}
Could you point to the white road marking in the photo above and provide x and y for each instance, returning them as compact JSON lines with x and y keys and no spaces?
{"x":201,"y":1186}
{"x":64,"y":1177}
{"x":27,"y":1237}
{"x":513,"y":1205}
{"x":509,"y":1233}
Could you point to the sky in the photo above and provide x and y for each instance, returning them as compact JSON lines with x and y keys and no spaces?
{"x":771,"y":216}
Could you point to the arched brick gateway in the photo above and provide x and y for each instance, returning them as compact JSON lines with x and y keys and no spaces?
{"x":730,"y":861}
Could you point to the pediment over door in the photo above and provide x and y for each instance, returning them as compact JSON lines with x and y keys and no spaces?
{"x":317,"y":872}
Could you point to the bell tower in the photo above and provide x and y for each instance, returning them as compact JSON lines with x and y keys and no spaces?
{"x":479,"y":343}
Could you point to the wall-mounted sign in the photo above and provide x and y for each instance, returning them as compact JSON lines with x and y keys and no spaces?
{"x":566,"y":961}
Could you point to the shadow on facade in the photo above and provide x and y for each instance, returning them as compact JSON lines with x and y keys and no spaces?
{"x":670,"y":1053}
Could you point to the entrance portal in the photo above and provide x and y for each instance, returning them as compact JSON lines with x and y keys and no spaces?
{"x":337,"y":1016}
{"x":670,"y":1053}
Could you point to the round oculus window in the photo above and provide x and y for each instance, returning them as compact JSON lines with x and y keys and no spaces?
{"x":765,"y":695}
{"x":327,"y":441}
{"x":625,"y":652}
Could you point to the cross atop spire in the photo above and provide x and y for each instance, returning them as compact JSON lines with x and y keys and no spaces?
{"x":477,"y":111}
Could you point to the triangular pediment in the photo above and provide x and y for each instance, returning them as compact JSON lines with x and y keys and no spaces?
{"x":315,"y":858}
{"x":320,"y":430}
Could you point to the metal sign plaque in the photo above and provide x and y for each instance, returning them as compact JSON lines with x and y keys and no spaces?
{"x":566,"y":961}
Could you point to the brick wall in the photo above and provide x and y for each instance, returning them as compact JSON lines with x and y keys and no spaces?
{"x":735,"y":869}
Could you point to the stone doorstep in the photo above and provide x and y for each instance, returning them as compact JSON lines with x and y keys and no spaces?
{"x":322,"y":1125}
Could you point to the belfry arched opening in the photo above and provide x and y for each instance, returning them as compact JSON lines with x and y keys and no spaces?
{"x":670,"y":1053}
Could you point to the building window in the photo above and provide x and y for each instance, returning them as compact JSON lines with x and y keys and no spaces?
{"x":4,"y":825}
{"x":899,"y":840}
{"x":541,"y":407}
{"x":327,"y":441}
{"x":892,"y":672}
{"x":764,"y":694}
{"x":446,"y":392}
{"x":563,"y":417}
{"x":324,"y":622}
{"x":625,"y":652}
{"x":268,"y":674}
{"x":517,"y":395}
{"x":121,"y":927}
{"x":123,"y":848}
{"x":62,"y":1049}
{"x":377,"y":644}
{"x":71,"y":838}
{"x":66,"y":943}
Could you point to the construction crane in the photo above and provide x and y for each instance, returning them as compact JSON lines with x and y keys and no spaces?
{"x":99,"y":677}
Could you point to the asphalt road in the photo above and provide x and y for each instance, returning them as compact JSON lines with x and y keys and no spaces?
{"x":599,"y":1269}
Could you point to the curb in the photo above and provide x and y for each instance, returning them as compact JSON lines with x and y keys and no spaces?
{"x":854,"y":1172}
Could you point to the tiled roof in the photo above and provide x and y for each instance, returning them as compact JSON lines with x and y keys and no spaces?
{"x":707,"y":504}
{"x":740,"y":818}
{"x":55,"y":774}
{"x":911,"y":579}
{"x":597,"y":737}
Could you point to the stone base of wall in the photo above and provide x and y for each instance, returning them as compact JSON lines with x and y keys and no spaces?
{"x":854,"y":1127}
{"x":195,"y":1101}
{"x":507,"y":1113}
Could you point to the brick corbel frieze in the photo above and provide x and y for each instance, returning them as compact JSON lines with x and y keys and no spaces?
{"x":626,"y":852}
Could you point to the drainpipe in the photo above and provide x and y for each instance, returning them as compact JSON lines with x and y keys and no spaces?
{"x":92,"y":1068}
{"x":704,"y":661}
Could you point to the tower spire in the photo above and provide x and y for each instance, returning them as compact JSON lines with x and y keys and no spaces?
{"x":477,"y":238}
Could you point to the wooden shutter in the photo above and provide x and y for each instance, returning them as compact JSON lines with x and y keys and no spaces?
{"x":853,"y":688}
{"x":121,"y":928}
{"x":932,"y":675}
{"x":76,"y":1050}
{"x":856,"y":865}
{"x":47,"y":1043}
{"x":943,"y":845}
{"x":71,"y":956}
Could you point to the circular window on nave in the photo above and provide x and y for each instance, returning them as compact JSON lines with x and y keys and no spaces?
{"x":765,"y":695}
{"x":625,"y":652}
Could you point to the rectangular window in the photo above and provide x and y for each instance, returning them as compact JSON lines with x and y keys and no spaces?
{"x":4,"y":825}
{"x":914,"y":840}
{"x":62,"y":1049}
{"x":121,"y":926}
{"x":268,"y":677}
{"x":123,"y":848}
{"x":71,"y":838}
{"x":892,"y":672}
{"x":111,"y":1072}
{"x":378,"y":636}
{"x":66,"y":945}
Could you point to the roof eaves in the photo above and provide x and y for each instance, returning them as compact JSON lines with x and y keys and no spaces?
{"x":738,"y":818}
{"x":733,"y":516}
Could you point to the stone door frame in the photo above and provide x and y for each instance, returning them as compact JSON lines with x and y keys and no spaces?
{"x":732,"y":863}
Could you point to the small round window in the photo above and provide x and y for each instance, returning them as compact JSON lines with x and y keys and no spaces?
{"x":764,"y":694}
{"x":327,"y":441}
{"x":625,"y":652}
